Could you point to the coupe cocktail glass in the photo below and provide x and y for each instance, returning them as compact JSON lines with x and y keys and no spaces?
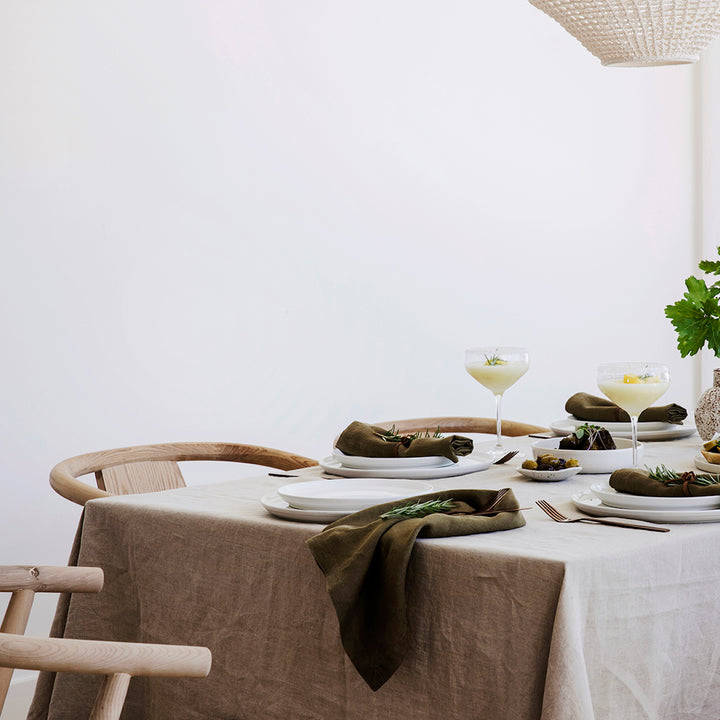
{"x":633,"y":386}
{"x":497,"y":368}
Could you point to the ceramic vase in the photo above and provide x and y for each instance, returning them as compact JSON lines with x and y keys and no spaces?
{"x":707,"y":411}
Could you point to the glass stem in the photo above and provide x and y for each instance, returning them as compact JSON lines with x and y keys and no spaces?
{"x":633,"y":423}
{"x":498,"y":411}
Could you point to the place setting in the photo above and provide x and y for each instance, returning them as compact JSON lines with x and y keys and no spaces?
{"x":371,"y":465}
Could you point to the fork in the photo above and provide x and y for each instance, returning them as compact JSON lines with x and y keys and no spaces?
{"x":506,"y":457}
{"x":557,"y":516}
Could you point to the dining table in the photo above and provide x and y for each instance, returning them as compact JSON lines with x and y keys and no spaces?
{"x":549,"y":621}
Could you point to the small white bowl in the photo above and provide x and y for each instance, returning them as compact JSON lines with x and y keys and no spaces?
{"x":550,"y":475}
{"x":592,"y":461}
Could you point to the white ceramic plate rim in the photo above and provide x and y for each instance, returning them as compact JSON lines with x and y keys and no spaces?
{"x":348,"y":494}
{"x":589,"y":503}
{"x":611,"y":497}
{"x":669,"y":431}
{"x":571,"y":420}
{"x":372,"y":463}
{"x":550,"y":475}
{"x":276,"y":506}
{"x":702,"y":464}
{"x":465,"y":465}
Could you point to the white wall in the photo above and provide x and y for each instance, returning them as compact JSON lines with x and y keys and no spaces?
{"x":256,"y":221}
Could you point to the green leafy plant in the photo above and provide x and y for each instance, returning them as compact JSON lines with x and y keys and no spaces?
{"x":696,"y":317}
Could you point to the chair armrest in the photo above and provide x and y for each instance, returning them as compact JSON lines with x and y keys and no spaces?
{"x":103,"y":657}
{"x":64,"y":483}
{"x":48,"y":578}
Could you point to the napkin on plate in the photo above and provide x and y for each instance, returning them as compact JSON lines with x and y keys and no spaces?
{"x":590,"y":407}
{"x":365,"y":560}
{"x":639,"y":482}
{"x":364,"y":440}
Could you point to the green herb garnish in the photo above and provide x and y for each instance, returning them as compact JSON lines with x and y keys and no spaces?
{"x":670,"y":478}
{"x":494,"y":360}
{"x":696,"y":317}
{"x":393,"y":435}
{"x":419,"y":509}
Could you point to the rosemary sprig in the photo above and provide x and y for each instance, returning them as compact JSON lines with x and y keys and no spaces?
{"x":670,"y":478}
{"x":494,"y":359}
{"x":419,"y":509}
{"x":393,"y":435}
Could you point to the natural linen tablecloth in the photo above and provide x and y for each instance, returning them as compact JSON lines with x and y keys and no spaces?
{"x":547,"y":622}
{"x":365,"y":559}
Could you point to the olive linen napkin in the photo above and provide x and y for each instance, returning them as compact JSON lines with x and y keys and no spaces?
{"x":639,"y":482}
{"x":365,"y":559}
{"x":364,"y":440}
{"x":590,"y":407}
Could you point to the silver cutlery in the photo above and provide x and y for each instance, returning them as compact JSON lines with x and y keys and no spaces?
{"x":557,"y":516}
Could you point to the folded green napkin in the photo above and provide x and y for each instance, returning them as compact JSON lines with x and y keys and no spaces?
{"x":639,"y":482}
{"x":365,"y":440}
{"x":590,"y":407}
{"x":365,"y":560}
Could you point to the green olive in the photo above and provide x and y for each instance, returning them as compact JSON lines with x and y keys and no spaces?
{"x":529,"y":465}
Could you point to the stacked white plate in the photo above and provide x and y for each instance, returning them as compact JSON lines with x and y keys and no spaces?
{"x":604,"y":501}
{"x":328,"y":500}
{"x":412,"y":468}
{"x":646,"y":430}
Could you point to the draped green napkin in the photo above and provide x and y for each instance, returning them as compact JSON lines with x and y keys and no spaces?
{"x":639,"y":482}
{"x":365,"y":440}
{"x":590,"y":407}
{"x":365,"y":560}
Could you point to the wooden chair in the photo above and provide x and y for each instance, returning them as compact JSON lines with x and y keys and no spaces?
{"x":149,"y":468}
{"x":462,"y":425}
{"x":117,"y":661}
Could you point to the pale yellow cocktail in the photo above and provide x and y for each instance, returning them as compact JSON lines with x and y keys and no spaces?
{"x":497,"y":378}
{"x":634,"y":394}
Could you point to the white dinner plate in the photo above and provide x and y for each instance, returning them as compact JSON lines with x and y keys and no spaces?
{"x":610,"y":496}
{"x":702,"y":464}
{"x":392,"y":463}
{"x":646,"y":430}
{"x":592,"y":461}
{"x":349,"y":495}
{"x":276,"y":506}
{"x":589,"y":503}
{"x":550,"y":475}
{"x":464,"y":465}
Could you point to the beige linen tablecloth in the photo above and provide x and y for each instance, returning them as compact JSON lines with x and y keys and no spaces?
{"x":547,"y":622}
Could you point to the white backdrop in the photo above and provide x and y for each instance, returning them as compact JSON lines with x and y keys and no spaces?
{"x":257,"y":221}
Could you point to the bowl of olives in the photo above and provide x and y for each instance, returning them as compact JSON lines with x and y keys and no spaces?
{"x":550,"y":468}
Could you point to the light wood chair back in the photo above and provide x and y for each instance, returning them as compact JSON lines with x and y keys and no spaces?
{"x":149,"y":468}
{"x":23,"y":582}
{"x":117,"y":661}
{"x":510,"y":428}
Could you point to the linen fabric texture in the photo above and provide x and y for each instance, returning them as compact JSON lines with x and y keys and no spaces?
{"x":365,"y":560}
{"x":592,"y":408}
{"x":364,"y":440}
{"x":639,"y":482}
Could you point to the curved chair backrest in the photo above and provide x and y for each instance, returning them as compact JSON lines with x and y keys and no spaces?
{"x":117,"y":661}
{"x":148,"y":468}
{"x":510,"y":428}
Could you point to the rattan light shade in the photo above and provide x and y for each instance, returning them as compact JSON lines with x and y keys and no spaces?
{"x":634,"y":33}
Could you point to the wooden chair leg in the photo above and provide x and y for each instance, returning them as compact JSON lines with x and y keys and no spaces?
{"x":111,"y":697}
{"x":15,"y":621}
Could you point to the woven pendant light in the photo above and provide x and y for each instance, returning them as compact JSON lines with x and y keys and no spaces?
{"x":637,"y":33}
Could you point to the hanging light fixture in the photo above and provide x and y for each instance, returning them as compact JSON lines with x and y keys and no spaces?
{"x":638,"y":33}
